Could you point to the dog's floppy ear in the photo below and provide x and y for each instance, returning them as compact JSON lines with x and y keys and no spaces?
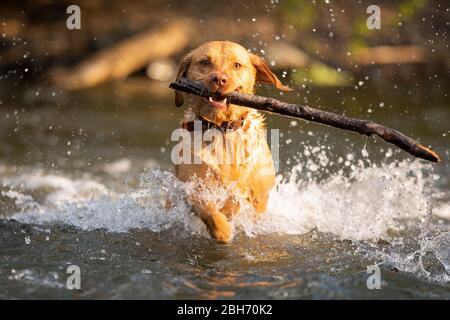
{"x":182,"y":69}
{"x":264,"y":74}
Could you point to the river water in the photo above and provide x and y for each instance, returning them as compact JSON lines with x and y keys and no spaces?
{"x":84,"y":178}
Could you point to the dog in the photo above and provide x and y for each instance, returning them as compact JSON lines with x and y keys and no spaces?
{"x":224,"y":66}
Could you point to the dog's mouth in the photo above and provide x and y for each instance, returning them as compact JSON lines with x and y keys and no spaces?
{"x":217,"y":104}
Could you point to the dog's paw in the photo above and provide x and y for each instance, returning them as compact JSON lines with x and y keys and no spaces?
{"x":220,"y":228}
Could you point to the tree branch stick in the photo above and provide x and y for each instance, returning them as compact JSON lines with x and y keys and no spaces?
{"x":365,"y":127}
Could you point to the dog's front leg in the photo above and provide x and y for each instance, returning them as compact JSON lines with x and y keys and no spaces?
{"x":217,"y":223}
{"x":230,"y":207}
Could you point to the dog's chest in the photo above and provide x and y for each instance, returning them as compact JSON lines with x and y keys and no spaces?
{"x":234,"y":154}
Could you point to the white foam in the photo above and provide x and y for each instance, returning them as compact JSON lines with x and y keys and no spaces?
{"x":442,"y":211}
{"x":89,"y":209}
{"x":59,"y":189}
{"x":117,"y":167}
{"x":365,"y":204}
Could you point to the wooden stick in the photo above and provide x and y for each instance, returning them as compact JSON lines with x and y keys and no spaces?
{"x":365,"y":127}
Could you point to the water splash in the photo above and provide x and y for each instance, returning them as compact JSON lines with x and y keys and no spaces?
{"x":367,"y":203}
{"x":88,"y":205}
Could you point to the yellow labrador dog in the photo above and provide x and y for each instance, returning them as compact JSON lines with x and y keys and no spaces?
{"x":235,"y":154}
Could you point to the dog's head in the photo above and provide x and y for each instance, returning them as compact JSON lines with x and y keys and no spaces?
{"x":223,"y":67}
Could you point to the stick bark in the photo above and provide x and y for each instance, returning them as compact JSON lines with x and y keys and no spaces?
{"x":364,"y":127}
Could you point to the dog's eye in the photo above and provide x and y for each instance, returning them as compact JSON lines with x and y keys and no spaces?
{"x":236,"y":65}
{"x":204,"y":62}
